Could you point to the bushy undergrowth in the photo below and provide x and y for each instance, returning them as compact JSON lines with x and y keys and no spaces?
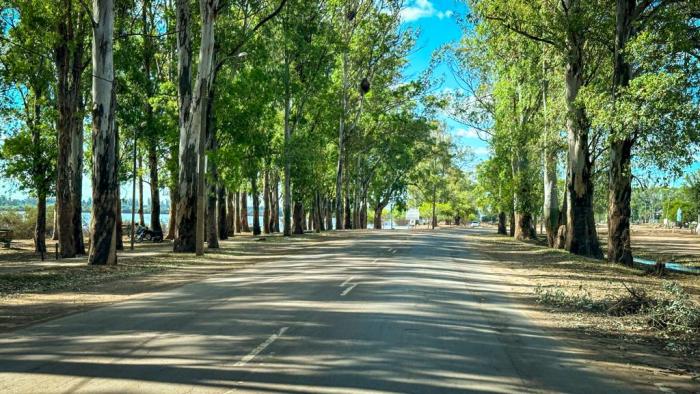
{"x":671,"y":311}
{"x":23,"y":223}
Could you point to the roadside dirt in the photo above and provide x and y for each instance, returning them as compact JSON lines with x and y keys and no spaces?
{"x":626,"y":345}
{"x":29,"y":296}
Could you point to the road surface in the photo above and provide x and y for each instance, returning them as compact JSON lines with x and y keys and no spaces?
{"x":397,"y":312}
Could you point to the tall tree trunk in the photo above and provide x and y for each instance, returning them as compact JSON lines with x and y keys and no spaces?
{"x":581,"y":237}
{"x":329,"y":214}
{"x":152,"y":137}
{"x":212,"y":222}
{"x":54,"y":236}
{"x":524,"y":228}
{"x":256,"y":204}
{"x":298,"y":218}
{"x":266,"y":201}
{"x":40,"y":228}
{"x":276,"y":205}
{"x":321,"y":213}
{"x":230,"y":214}
{"x":172,"y":214}
{"x":348,"y":221}
{"x":77,"y":181}
{"x":104,"y":177}
{"x":185,"y":210}
{"x":142,"y":219}
{"x":155,"y":190}
{"x":378,"y":216}
{"x":69,"y":54}
{"x":222,"y":215}
{"x":434,"y":220}
{"x":551,"y":203}
{"x":502,"y":223}
{"x":118,"y":204}
{"x":620,"y":195}
{"x":511,"y":231}
{"x":245,"y":227}
{"x":237,"y":214}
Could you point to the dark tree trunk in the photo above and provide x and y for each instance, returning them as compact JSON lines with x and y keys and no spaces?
{"x":502,"y":223}
{"x":212,"y":223}
{"x":619,"y":208}
{"x":155,"y":189}
{"x":348,"y":222}
{"x":378,"y":217}
{"x":320,"y":213}
{"x":152,"y":135}
{"x":40,"y":228}
{"x":222,"y":215}
{"x":620,"y":195}
{"x":238,"y":213}
{"x":276,"y":204}
{"x":77,"y":184}
{"x":266,"y":201}
{"x":298,"y":217}
{"x":511,"y":232}
{"x":69,"y":53}
{"x":245,"y":227}
{"x":186,"y":210}
{"x":231,"y":214}
{"x":524,"y":228}
{"x":256,"y":204}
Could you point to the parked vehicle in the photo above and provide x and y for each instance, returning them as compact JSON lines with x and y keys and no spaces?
{"x":145,"y":234}
{"x":474,"y":224}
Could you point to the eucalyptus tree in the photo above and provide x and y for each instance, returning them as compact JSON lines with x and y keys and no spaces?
{"x":575,"y":30}
{"x":70,"y":50}
{"x":104,"y":170}
{"x":654,"y":77}
{"x":28,"y":150}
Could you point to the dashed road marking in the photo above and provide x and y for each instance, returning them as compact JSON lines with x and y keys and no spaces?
{"x":349,"y":289}
{"x":346,"y":281}
{"x":250,"y":356}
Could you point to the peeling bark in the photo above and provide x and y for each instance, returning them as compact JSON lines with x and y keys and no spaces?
{"x":104,"y":174}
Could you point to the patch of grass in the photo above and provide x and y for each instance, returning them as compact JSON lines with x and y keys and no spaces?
{"x":69,"y":278}
{"x":581,"y":300}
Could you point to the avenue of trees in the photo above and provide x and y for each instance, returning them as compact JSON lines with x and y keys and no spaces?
{"x":297,"y":106}
{"x":595,"y":94}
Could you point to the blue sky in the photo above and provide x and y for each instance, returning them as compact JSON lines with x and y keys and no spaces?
{"x":437,"y":22}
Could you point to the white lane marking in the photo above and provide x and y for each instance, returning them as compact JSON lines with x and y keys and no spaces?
{"x":250,"y":356}
{"x":393,"y":251}
{"x":346,"y":281}
{"x":349,"y":289}
{"x":375,"y":260}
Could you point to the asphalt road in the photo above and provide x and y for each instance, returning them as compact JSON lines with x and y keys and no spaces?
{"x":393,"y":312}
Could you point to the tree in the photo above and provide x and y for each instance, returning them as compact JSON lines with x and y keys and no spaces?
{"x":104,"y":175}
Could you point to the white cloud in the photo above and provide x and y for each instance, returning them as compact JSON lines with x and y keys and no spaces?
{"x":466,"y":133}
{"x":481,"y":150}
{"x":423,"y":9}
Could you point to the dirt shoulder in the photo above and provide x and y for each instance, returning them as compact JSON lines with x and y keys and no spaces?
{"x":540,"y":277}
{"x":32,"y":291}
